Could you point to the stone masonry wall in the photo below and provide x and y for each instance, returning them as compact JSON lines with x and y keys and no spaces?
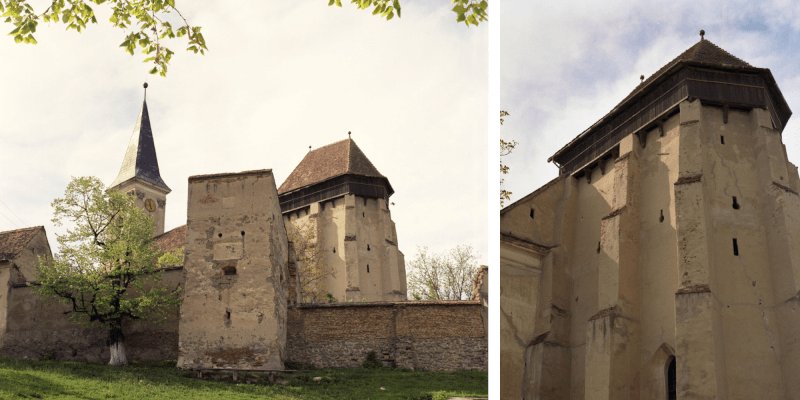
{"x":36,"y":329}
{"x":444,"y":335}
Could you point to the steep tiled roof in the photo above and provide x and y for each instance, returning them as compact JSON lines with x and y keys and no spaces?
{"x":171,"y":240}
{"x":702,"y":52}
{"x":330,"y":161}
{"x":140,"y":159}
{"x":12,"y":242}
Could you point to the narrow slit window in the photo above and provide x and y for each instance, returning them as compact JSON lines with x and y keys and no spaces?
{"x":228,"y":315}
{"x":661,"y":218}
{"x":367,"y":268}
{"x":722,"y":139}
{"x":532,"y":210}
{"x":735,"y":204}
{"x":334,"y":250}
{"x":367,"y":247}
{"x":362,"y":214}
{"x":598,"y":247}
{"x":735,"y":248}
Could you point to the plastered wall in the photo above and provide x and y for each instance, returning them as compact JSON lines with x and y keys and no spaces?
{"x":236,"y":275}
{"x":666,"y":280}
{"x":359,"y":239}
{"x":36,"y":327}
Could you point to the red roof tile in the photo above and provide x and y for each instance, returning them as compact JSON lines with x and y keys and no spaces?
{"x":336,"y":159}
{"x":12,"y":242}
{"x":171,"y":240}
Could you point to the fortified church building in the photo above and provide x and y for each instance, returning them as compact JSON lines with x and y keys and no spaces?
{"x":664,"y":260}
{"x":242,"y":306}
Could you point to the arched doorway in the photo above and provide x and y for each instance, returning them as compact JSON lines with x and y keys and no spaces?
{"x":671,"y":375}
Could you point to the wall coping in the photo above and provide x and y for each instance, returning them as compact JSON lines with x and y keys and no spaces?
{"x":389,"y":303}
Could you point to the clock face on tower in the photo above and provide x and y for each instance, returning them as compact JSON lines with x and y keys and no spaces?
{"x":150,"y":205}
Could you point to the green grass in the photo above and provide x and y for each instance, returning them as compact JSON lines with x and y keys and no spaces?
{"x":77,"y":380}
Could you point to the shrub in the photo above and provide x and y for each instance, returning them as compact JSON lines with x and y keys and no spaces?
{"x":371,"y":362}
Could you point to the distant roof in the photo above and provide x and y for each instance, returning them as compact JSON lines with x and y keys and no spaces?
{"x":336,"y":159}
{"x":140,"y":159}
{"x":701,"y":52}
{"x":171,"y":240}
{"x":13,"y":242}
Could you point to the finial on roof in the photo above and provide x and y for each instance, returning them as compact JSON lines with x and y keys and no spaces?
{"x":145,"y":90}
{"x":702,"y":33}
{"x":641,"y":77}
{"x":348,"y":134}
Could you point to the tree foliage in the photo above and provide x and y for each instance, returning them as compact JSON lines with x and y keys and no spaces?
{"x":505,"y":149}
{"x":445,"y":276}
{"x":146,"y":23}
{"x":106,"y":267}
{"x":470,"y":12}
{"x":310,"y":261}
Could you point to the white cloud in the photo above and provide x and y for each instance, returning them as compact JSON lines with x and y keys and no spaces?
{"x":566,"y":64}
{"x":279,"y":76}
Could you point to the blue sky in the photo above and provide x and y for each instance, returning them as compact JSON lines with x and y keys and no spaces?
{"x":279,"y":76}
{"x":565,"y":64}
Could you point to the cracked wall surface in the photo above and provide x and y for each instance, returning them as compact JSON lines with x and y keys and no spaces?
{"x":236,"y":278}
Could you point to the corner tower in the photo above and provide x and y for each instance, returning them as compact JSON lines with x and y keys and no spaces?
{"x":344,"y":198}
{"x":663,"y":262}
{"x":139,"y":174}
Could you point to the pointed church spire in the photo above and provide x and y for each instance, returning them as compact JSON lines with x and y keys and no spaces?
{"x":140,"y":159}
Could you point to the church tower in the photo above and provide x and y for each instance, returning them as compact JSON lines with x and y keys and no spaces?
{"x":139,"y":174}
{"x":664,"y":260}
{"x":342,"y":195}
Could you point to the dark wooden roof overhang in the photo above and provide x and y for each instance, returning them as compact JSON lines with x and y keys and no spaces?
{"x":729,"y":86}
{"x":364,"y":186}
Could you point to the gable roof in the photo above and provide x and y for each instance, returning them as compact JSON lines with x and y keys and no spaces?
{"x":336,"y":159}
{"x":703,"y":52}
{"x":13,"y":242}
{"x":140,"y":159}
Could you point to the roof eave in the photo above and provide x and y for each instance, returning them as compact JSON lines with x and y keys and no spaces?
{"x":638,"y":93}
{"x":385,"y":179}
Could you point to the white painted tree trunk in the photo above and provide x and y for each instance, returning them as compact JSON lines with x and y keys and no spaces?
{"x":118,"y":354}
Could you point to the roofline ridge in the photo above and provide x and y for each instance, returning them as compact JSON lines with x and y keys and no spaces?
{"x":24,"y":229}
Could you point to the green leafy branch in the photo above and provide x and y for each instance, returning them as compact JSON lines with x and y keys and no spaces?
{"x":471,"y":12}
{"x":144,"y":19}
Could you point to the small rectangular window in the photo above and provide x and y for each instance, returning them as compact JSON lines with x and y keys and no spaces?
{"x":722,"y":139}
{"x":735,"y":248}
{"x":532,"y":210}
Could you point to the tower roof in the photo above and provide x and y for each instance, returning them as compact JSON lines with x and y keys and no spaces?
{"x":336,"y":159}
{"x":702,"y":52}
{"x":140,"y":159}
{"x":704,"y":71}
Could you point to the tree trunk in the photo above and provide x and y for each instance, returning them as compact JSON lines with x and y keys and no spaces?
{"x":116,"y":344}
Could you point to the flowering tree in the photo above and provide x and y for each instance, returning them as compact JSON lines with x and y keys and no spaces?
{"x":106,"y":269}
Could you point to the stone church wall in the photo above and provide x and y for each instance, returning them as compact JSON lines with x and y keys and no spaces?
{"x":35,"y":328}
{"x":419,"y":335}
